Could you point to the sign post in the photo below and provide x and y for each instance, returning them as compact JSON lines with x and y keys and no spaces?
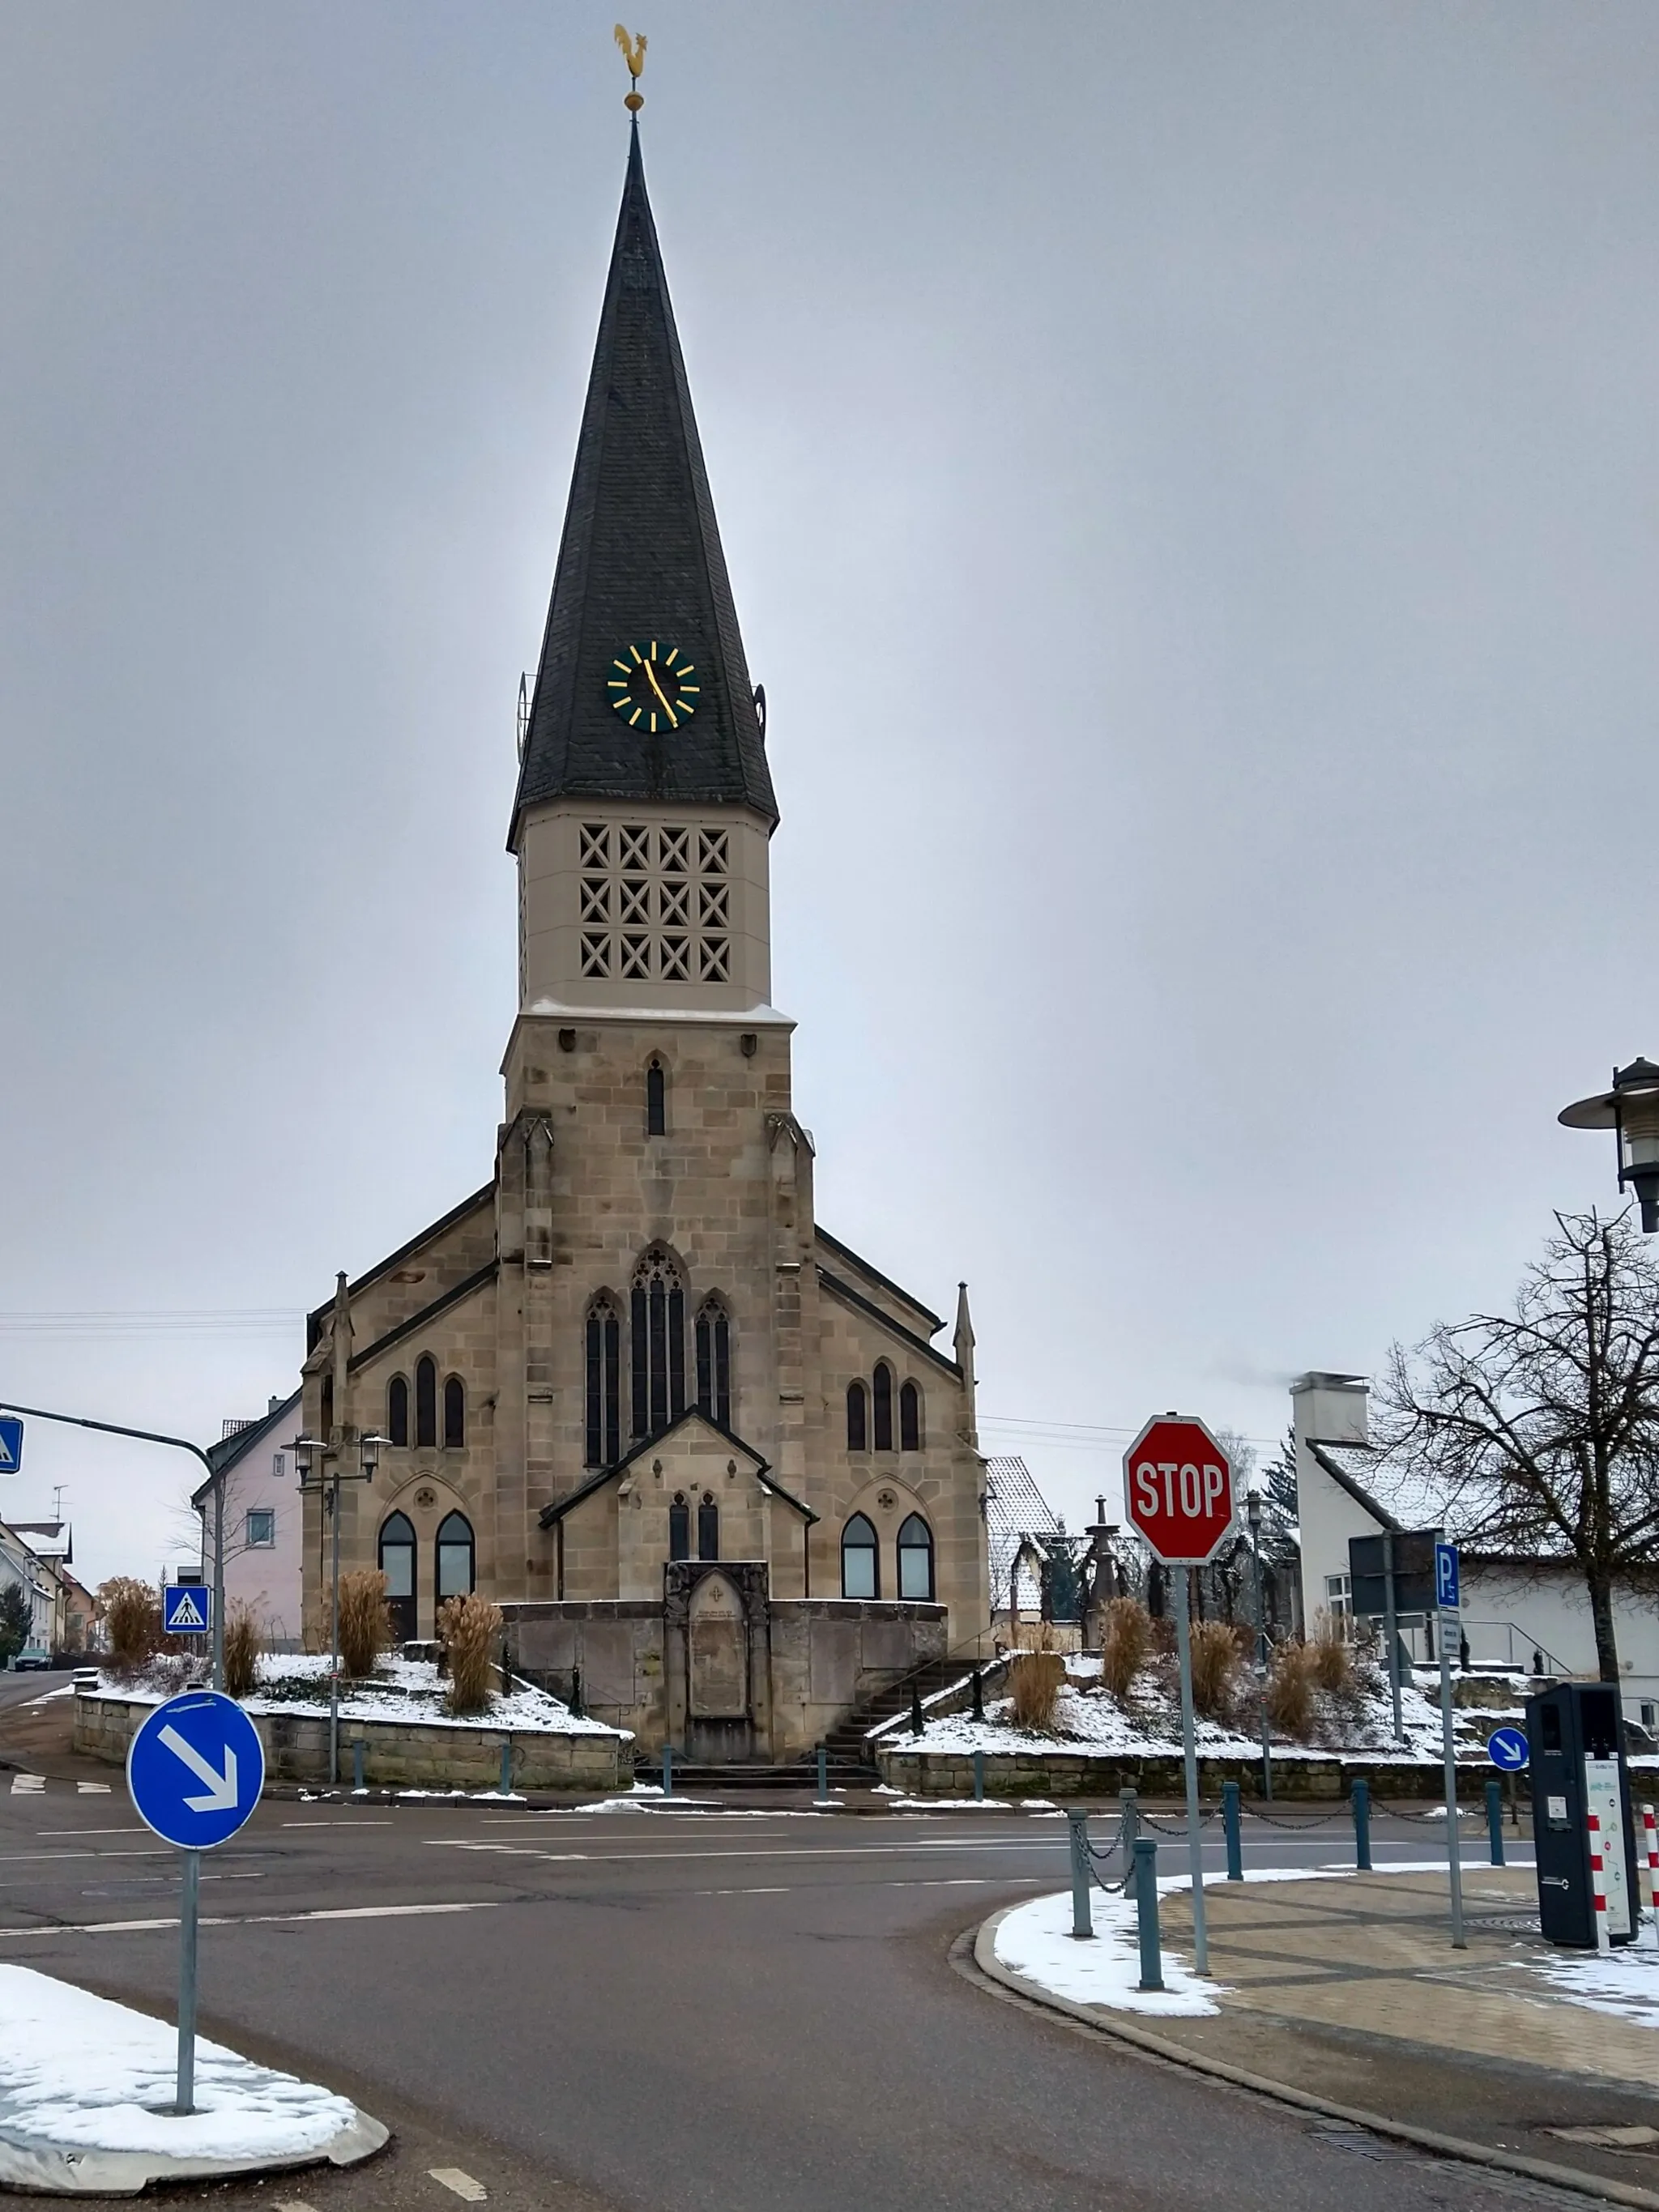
{"x":1447,"y":1597}
{"x":194,"y":1772}
{"x":1178,"y":1491}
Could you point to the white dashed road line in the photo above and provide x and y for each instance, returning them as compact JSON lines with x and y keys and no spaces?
{"x":462,"y":2185}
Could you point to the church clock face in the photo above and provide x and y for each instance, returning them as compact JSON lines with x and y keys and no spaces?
{"x":653,"y":687}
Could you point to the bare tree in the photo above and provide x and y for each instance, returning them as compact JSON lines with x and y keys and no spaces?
{"x":1539,"y":1430}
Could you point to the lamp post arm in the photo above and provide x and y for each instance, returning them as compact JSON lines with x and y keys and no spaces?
{"x":109,"y":1429}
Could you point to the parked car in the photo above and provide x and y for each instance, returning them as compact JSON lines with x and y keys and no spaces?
{"x":33,"y":1662}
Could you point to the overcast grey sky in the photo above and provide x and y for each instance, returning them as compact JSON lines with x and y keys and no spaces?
{"x":1190,"y":478}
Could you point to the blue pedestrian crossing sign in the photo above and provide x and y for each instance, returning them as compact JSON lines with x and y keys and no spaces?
{"x":11,"y":1444}
{"x":1506,"y":1747}
{"x":195,"y":1770}
{"x":1447,"y":1594}
{"x":187,"y":1609}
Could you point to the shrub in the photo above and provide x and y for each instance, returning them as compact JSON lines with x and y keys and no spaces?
{"x":1290,"y":1690}
{"x":1124,"y":1644}
{"x":468,"y":1627}
{"x":1215,"y":1669}
{"x":1035,"y":1681}
{"x":365,"y":1620}
{"x":242,"y":1646}
{"x":132,"y":1622}
{"x":1333,"y":1656}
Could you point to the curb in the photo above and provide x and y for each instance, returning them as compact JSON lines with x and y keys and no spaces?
{"x":30,"y":2162}
{"x":1140,"y":2038}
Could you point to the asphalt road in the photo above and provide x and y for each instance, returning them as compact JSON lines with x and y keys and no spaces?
{"x":670,"y":2010}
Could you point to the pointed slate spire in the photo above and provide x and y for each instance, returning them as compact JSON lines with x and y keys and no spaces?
{"x":640,"y":560}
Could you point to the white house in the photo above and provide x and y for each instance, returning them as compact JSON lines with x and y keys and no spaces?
{"x":21,"y":1564}
{"x":1520,"y":1613}
{"x":262,"y":1521}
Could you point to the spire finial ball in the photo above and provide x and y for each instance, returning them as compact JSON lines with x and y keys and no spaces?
{"x":634,"y":101}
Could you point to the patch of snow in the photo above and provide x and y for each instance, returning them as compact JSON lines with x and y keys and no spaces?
{"x":1625,"y":1982}
{"x":1036,"y":1940}
{"x":82,"y":2072}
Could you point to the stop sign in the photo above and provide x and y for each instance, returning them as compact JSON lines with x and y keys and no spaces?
{"x":1178,"y":1490}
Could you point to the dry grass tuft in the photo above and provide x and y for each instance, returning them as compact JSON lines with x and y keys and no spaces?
{"x":132,"y":1622}
{"x":1035,"y":1681}
{"x":468,"y":1628}
{"x":1215,"y":1669}
{"x":1124,"y":1644}
{"x":365,"y":1620}
{"x":243,"y":1644}
{"x":1333,"y":1656}
{"x":1290,"y":1690}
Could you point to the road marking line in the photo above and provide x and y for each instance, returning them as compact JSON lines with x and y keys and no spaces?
{"x":349,"y":1820}
{"x":27,"y":1785}
{"x":462,"y":2185}
{"x":93,"y":1788}
{"x":257,"y":1919}
{"x":293,"y":2204}
{"x":137,"y":1829}
{"x":767,"y":1851}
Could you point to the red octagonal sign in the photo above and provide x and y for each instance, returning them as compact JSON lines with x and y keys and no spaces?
{"x":1178,"y":1489}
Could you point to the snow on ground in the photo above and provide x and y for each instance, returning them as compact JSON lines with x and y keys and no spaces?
{"x":402,"y":1690}
{"x":1624,"y":1981}
{"x":1036,"y":1940}
{"x":82,"y":2073}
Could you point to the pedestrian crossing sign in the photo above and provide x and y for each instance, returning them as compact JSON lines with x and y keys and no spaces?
{"x":11,"y":1444}
{"x":187,"y":1609}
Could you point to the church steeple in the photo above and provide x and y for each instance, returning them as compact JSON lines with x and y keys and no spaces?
{"x":641,"y":562}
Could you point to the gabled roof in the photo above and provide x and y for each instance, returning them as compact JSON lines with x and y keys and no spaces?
{"x":550,"y":1515}
{"x":857,"y":1300}
{"x":641,"y":559}
{"x":822,"y":1236}
{"x":229,"y":1449}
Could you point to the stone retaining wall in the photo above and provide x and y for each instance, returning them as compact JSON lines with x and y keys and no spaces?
{"x":396,"y":1754}
{"x":1042,"y":1773}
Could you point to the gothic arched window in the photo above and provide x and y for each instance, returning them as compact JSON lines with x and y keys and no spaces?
{"x":858,"y":1425}
{"x":456,"y":1557}
{"x":397,"y":1410}
{"x":656,"y":1101}
{"x":396,"y":1554}
{"x":603,"y":1384}
{"x":860,"y":1568}
{"x":658,"y":1317}
{"x":679,"y":1527}
{"x":909,"y":1418}
{"x":454,"y":1414}
{"x":714,"y":1363}
{"x":915,"y":1559}
{"x":426,"y":1400}
{"x":708,"y":1528}
{"x":882,"y":1395}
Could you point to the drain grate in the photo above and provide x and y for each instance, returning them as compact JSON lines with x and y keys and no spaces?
{"x":1524,"y":1924}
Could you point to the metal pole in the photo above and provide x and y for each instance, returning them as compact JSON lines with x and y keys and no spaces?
{"x":189,"y":1892}
{"x":668,"y":1769}
{"x":1391,"y":1630}
{"x":1146,"y":1869}
{"x":1229,"y":1822}
{"x":1261,"y":1661}
{"x":219,"y":1580}
{"x":979,"y":1777}
{"x":1362,"y":1825}
{"x":1082,"y":1926}
{"x":1495,"y":1820}
{"x":1454,"y":1861}
{"x":506,"y":1767}
{"x":823,"y":1775}
{"x":1128,"y":1813}
{"x":334,"y":1671}
{"x":1183,"y":1579}
{"x":357,"y":1765}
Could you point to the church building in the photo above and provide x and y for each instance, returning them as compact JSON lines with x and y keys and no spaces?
{"x":716,"y":1468}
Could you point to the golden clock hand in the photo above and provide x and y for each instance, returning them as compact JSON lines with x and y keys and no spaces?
{"x":651,"y":678}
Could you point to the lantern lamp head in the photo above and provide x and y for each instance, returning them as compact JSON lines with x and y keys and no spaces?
{"x":1631,"y":1110}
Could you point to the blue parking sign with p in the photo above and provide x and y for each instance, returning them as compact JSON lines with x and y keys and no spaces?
{"x":1447,"y":1594}
{"x":187,"y":1609}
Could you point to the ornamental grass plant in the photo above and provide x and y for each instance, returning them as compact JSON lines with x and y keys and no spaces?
{"x":1333,"y":1656}
{"x":1126,"y":1642}
{"x":1215,"y":1669}
{"x":1290,"y":1694}
{"x":243,"y":1645}
{"x":1035,"y":1681}
{"x":468,"y":1628}
{"x":365,"y":1620}
{"x":132,"y":1622}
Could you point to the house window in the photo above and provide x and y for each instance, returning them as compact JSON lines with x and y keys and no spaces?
{"x":397,"y":1410}
{"x":679,"y":1527}
{"x":915,"y":1559}
{"x":714,"y":1364}
{"x":860,"y":1572}
{"x":603,"y":1384}
{"x":708,"y":1528}
{"x":656,"y":1101}
{"x":454,"y":1414}
{"x":659,"y":1344}
{"x":426,"y":1401}
{"x":909,"y":1418}
{"x":857,"y":1420}
{"x":883,"y":1406}
{"x":456,"y":1557}
{"x":261,"y":1527}
{"x":278,"y":1466}
{"x":1339,"y":1603}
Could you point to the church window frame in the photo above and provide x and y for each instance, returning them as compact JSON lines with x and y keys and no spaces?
{"x":656,"y":1097}
{"x":397,"y":1412}
{"x":398,"y":1556}
{"x":910,"y":1427}
{"x":454,"y":1558}
{"x":708,"y":1526}
{"x":425,"y":1403}
{"x":915,"y":1550}
{"x":713,"y":1353}
{"x":602,"y":1352}
{"x":858,"y":1416}
{"x":657,"y":1348}
{"x":454,"y":1409}
{"x":679,"y":1527}
{"x":881,"y":1406}
{"x":860,"y":1559}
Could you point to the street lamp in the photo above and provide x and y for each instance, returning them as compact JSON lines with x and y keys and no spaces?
{"x":1253,"y":1516}
{"x":306,"y":1450}
{"x":1631,"y":1110}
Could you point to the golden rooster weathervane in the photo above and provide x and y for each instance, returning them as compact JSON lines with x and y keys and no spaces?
{"x":634,"y":55}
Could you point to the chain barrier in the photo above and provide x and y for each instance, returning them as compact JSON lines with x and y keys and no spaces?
{"x":1428,"y":1819}
{"x":1320,"y":1821}
{"x":1213,"y":1813}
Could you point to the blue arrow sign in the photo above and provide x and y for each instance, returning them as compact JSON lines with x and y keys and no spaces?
{"x":187,"y":1609}
{"x":195,"y":1770}
{"x":1447,"y":1595}
{"x":11,"y":1444}
{"x":1507,"y":1747}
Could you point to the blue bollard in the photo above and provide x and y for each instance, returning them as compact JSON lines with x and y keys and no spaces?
{"x":1230,"y":1824}
{"x":1362,"y":1827}
{"x":979,"y":1777}
{"x":1082,"y":1926}
{"x":506,"y":1767}
{"x":668,"y":1769}
{"x":823,"y":1775}
{"x":1152,"y":1955}
{"x":357,"y":1763}
{"x":1495,"y":1820}
{"x":1128,"y":1810}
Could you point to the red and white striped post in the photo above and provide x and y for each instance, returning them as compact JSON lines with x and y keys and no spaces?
{"x":1650,"y":1829}
{"x":1598,"y":1883}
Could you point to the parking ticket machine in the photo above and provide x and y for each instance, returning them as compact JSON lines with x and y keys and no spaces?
{"x":1575,"y":1736}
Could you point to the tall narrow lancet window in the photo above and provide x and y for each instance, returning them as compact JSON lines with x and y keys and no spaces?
{"x":426,"y":1401}
{"x":882,"y":1395}
{"x":679,"y":1527}
{"x":714,"y":1363}
{"x":603,"y":1384}
{"x":909,"y":1418}
{"x":656,"y":1101}
{"x":708,"y":1528}
{"x":457,"y":1557}
{"x":915,"y":1559}
{"x":454,"y":1414}
{"x":396,"y":1562}
{"x":658,"y":1319}
{"x":397,"y":1410}
{"x":861,"y":1573}
{"x":857,"y":1418}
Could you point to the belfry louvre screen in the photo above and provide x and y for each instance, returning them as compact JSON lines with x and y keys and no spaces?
{"x":656,"y":902}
